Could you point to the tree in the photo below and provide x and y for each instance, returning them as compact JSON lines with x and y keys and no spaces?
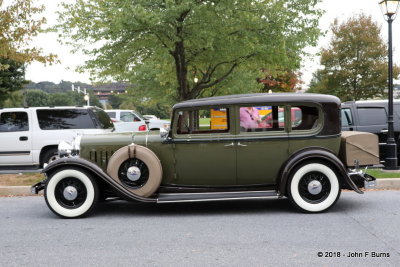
{"x":19,"y":22}
{"x":12,"y":78}
{"x":190,"y":48}
{"x":37,"y":98}
{"x":355,"y":65}
{"x":282,"y":81}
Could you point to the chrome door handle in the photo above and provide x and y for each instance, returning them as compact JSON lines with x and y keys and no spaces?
{"x":239,"y":144}
{"x":231,"y":144}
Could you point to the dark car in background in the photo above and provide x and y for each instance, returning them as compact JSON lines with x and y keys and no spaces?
{"x":371,"y":116}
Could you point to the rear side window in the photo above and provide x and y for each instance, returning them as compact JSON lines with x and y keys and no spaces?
{"x":14,"y":122}
{"x":127,"y":116}
{"x":103,"y":119}
{"x":372,"y":116}
{"x":56,"y":119}
{"x":304,"y":118}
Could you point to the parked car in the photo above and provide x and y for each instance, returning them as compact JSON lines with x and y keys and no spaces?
{"x":127,"y":120}
{"x":130,"y":120}
{"x":30,"y":136}
{"x":309,"y":162}
{"x":371,"y":116}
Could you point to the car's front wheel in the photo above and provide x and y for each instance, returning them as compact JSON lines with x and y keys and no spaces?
{"x":71,"y":193}
{"x":313,"y":187}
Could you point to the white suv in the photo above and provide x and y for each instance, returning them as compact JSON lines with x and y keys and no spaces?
{"x":126,"y":120}
{"x":30,"y":136}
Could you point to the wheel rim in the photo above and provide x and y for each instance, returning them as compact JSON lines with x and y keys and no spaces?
{"x":314,"y":187}
{"x":53,"y":158}
{"x":70,"y":193}
{"x":133,"y":173}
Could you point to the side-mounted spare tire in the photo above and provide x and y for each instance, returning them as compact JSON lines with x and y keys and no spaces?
{"x":137,"y":168}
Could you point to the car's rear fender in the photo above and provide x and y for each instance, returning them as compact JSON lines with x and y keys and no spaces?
{"x":97,"y":172}
{"x":314,"y":154}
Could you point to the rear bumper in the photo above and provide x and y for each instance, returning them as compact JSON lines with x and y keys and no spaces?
{"x":364,"y":180}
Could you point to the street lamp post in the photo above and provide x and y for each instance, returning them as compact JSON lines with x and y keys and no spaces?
{"x":389,"y":9}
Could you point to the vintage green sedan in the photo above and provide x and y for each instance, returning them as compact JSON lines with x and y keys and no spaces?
{"x":251,"y":146}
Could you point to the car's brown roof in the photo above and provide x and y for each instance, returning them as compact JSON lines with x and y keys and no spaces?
{"x":259,"y":98}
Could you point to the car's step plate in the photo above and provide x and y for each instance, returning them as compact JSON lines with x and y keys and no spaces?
{"x":215,"y":196}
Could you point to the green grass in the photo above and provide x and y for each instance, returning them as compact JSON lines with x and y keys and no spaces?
{"x":378,"y":173}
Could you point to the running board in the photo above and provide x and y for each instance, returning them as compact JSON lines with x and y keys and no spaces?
{"x":214,"y":196}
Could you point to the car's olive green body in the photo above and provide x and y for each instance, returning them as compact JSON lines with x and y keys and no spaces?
{"x":211,"y":160}
{"x":231,"y":162}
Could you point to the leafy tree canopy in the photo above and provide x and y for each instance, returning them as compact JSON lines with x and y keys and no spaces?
{"x":12,"y":78}
{"x":184,"y":49}
{"x":20,"y":21}
{"x":355,"y":63}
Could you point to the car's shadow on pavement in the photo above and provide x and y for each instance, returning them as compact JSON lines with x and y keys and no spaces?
{"x":120,"y":207}
{"x":269,"y":206}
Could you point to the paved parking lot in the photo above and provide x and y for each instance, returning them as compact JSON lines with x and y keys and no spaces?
{"x":243,"y":233}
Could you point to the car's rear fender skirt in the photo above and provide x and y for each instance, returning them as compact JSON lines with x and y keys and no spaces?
{"x":98,"y":174}
{"x":314,"y":154}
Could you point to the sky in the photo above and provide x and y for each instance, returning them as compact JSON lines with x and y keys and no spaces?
{"x":341,"y":9}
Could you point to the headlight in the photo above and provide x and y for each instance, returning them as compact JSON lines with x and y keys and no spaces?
{"x":64,"y":148}
{"x":76,"y":143}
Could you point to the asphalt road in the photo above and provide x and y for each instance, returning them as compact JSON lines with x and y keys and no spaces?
{"x":245,"y":233}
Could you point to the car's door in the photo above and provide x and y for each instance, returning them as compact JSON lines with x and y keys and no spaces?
{"x":15,"y":138}
{"x":261,"y":144}
{"x":204,"y":150}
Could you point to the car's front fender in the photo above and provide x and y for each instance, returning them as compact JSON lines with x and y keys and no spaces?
{"x":96,"y":171}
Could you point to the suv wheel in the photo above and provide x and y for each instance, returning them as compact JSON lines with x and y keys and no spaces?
{"x":313,"y":187}
{"x":50,"y":156}
{"x":71,"y":193}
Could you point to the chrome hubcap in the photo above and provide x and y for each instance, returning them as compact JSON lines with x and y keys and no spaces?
{"x":133,"y":173}
{"x":70,"y":193}
{"x":314,"y":187}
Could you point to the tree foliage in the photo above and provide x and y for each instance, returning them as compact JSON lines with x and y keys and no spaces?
{"x":355,"y":63}
{"x":12,"y":78}
{"x":39,"y":98}
{"x":20,"y":21}
{"x":282,"y":81}
{"x":184,"y":49}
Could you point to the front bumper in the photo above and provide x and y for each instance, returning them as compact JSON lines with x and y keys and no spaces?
{"x":35,"y":189}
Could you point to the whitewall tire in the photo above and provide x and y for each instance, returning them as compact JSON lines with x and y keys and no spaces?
{"x":313,"y":187}
{"x":71,"y":193}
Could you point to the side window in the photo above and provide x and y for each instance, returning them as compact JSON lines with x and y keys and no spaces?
{"x":56,"y":119}
{"x":14,"y":122}
{"x":372,"y":116}
{"x":202,"y":121}
{"x":347,"y":118}
{"x":112,"y":114}
{"x":304,"y":118}
{"x":127,"y":116}
{"x":262,"y":118}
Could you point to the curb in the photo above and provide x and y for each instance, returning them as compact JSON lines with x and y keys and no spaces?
{"x":385,"y":183}
{"x":17,"y":191}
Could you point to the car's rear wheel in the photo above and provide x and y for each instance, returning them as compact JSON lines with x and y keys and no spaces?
{"x":71,"y":193}
{"x":313,"y":187}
